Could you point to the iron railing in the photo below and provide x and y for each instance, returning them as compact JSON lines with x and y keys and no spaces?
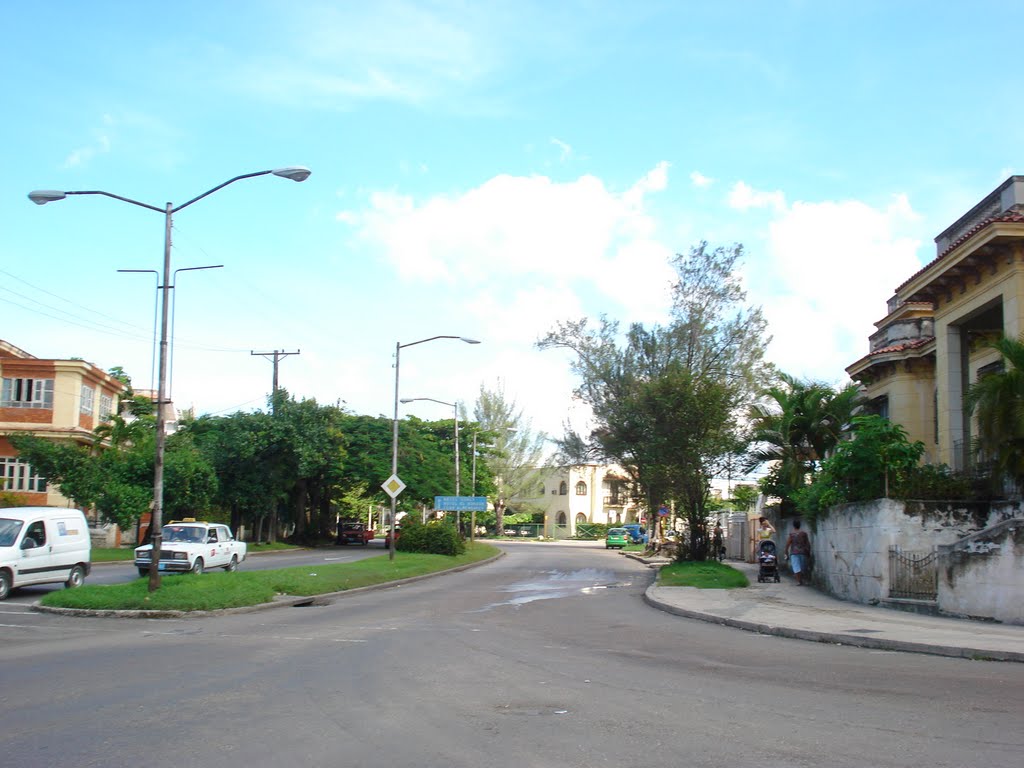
{"x":913,"y":575}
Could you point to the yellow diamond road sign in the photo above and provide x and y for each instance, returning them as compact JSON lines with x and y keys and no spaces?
{"x":393,"y":486}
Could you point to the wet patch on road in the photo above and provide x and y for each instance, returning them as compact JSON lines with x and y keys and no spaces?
{"x":555,"y":584}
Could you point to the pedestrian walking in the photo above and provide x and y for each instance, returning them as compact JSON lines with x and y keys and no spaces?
{"x":798,"y":551}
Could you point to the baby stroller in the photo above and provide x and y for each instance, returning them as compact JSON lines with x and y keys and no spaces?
{"x":768,"y":562}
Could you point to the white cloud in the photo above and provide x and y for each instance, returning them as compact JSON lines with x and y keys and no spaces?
{"x":700,"y":180}
{"x":743,"y":196}
{"x":835,"y":264}
{"x":576,"y":234}
{"x":565,"y":150}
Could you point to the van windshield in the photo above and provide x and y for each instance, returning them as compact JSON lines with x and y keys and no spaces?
{"x":9,"y":530}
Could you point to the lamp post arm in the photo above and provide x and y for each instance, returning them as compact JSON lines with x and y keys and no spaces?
{"x":218,"y":187}
{"x":123,"y":199}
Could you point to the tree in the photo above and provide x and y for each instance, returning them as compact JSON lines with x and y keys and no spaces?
{"x":796,"y":425}
{"x":997,"y":402}
{"x":513,"y":455}
{"x":665,"y":400}
{"x":878,"y":460}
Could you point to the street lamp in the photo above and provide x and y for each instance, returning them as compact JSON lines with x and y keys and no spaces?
{"x":394,"y":429}
{"x":455,"y":409}
{"x":44,"y":196}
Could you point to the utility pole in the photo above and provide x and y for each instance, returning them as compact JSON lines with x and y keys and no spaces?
{"x":277,"y":355}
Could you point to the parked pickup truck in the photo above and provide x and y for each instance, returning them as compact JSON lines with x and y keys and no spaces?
{"x":190,"y":546}
{"x":354,"y":533}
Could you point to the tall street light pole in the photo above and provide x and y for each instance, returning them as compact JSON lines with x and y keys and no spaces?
{"x":44,"y":196}
{"x":455,"y":409}
{"x":394,"y":430}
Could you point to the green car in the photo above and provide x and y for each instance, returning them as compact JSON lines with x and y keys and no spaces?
{"x":617,"y":537}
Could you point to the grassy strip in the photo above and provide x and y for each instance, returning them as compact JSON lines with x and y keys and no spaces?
{"x":212,"y":591}
{"x":706,"y":575}
{"x":112,"y":554}
{"x":124,"y":554}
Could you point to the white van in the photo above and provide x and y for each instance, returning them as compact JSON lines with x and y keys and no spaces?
{"x":40,"y":545}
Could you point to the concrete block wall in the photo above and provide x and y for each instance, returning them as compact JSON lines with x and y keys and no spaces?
{"x":982,"y":575}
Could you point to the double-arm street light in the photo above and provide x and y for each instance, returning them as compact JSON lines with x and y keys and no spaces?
{"x":394,"y":431}
{"x":44,"y":196}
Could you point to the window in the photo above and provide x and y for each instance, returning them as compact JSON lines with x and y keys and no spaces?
{"x":27,"y":393}
{"x":88,"y":395}
{"x":580,"y":518}
{"x":37,"y":532}
{"x":18,"y":476}
{"x":561,"y":518}
{"x":106,"y":406}
{"x":581,"y":488}
{"x":563,"y":488}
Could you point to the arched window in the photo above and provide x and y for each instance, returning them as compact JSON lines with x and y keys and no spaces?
{"x":563,"y":488}
{"x":581,"y":488}
{"x":580,"y":518}
{"x":561,"y":518}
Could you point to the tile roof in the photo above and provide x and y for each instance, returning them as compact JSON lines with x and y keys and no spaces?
{"x":1007,"y":216}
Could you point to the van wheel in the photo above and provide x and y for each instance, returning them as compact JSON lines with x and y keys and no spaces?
{"x":5,"y":585}
{"x":197,"y":566}
{"x":233,"y":565}
{"x":76,"y":578}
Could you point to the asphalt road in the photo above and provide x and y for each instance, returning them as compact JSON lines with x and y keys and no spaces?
{"x":547,"y":657}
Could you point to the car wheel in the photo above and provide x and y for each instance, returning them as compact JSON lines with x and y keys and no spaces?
{"x":233,"y":565}
{"x":76,"y":578}
{"x":198,"y":566}
{"x":143,"y":572}
{"x":5,"y":585}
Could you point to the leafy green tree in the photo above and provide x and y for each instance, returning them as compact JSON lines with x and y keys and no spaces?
{"x":997,"y":402}
{"x":796,"y":425}
{"x":665,"y":399}
{"x":877,"y":460}
{"x":511,"y":453}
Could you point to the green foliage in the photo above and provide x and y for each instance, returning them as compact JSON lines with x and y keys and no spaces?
{"x":12,"y":499}
{"x":744,"y":497}
{"x":437,"y":537}
{"x":877,"y":461}
{"x":997,"y":401}
{"x":665,"y":399}
{"x":704,"y":575}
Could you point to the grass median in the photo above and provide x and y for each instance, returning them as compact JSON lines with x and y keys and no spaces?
{"x":213,"y":591}
{"x":706,"y":575}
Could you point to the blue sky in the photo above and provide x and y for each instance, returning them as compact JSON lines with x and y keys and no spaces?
{"x":479,"y":169}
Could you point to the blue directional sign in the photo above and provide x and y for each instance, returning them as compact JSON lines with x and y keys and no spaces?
{"x":461,"y":503}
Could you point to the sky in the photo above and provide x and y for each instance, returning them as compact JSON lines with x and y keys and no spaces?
{"x":482,"y":170}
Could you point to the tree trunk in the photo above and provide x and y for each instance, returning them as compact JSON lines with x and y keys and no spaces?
{"x":499,"y":517}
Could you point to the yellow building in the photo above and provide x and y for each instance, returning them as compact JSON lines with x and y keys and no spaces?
{"x":930,"y":346}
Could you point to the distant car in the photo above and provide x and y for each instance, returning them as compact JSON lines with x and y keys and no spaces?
{"x":190,"y":546}
{"x":617,"y":537}
{"x":354,"y":533}
{"x":387,"y":537}
{"x":637,"y":534}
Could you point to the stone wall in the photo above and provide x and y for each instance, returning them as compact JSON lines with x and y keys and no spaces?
{"x":982,"y":575}
{"x":981,"y":553}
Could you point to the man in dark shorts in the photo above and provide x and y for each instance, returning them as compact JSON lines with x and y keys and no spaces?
{"x":798,"y":550}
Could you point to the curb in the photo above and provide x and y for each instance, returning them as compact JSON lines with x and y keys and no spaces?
{"x":284,"y":601}
{"x":872,"y":643}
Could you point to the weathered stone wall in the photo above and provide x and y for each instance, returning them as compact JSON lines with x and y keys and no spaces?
{"x":982,"y":576}
{"x":981,"y":553}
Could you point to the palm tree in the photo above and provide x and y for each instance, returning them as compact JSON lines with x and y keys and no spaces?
{"x":798,"y":425}
{"x":997,"y":401}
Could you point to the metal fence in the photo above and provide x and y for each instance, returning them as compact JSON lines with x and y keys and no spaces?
{"x":913,"y":575}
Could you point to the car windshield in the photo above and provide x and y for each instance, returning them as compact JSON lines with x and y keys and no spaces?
{"x":9,"y":530}
{"x":617,"y":532}
{"x":184,"y":533}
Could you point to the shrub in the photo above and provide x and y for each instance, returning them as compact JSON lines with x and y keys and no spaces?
{"x":435,"y":538}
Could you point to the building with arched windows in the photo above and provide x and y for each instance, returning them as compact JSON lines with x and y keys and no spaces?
{"x":588,"y":493}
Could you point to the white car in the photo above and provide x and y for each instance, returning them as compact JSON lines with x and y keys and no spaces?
{"x":193,"y":547}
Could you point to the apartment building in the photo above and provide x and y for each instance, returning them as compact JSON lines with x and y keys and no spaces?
{"x":54,"y":399}
{"x":930,"y":347}
{"x":588,"y":493}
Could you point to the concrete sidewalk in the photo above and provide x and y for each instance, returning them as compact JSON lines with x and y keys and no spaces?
{"x":805,"y":613}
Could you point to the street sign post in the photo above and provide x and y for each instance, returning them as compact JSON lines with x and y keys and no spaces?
{"x":393,"y":486}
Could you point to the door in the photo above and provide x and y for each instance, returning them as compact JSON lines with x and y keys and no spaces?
{"x":36,"y":562}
